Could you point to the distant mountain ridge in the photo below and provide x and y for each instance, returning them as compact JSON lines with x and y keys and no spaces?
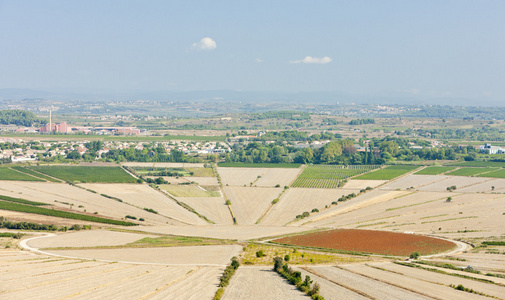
{"x":328,"y":97}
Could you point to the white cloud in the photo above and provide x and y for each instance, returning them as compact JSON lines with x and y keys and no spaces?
{"x":313,"y":60}
{"x":204,"y":44}
{"x":259,"y":60}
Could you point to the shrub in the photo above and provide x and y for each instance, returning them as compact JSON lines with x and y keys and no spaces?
{"x":315,"y":210}
{"x":275,"y":200}
{"x":260,"y":253}
{"x":414,"y":255}
{"x":228,"y":202}
{"x":286,"y":257}
{"x":131,"y":217}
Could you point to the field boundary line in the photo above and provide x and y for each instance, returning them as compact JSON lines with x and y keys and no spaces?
{"x":387,"y":282}
{"x":353,"y":207}
{"x":338,"y":283}
{"x":185,"y":206}
{"x":180,"y":278}
{"x":21,"y":172}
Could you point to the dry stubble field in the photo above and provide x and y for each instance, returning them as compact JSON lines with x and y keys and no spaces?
{"x":474,"y":211}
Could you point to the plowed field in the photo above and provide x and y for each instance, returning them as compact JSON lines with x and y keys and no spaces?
{"x":378,"y":242}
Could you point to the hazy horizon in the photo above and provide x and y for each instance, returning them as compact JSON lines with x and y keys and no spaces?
{"x":395,"y":50}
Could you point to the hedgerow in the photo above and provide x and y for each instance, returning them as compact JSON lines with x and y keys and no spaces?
{"x":295,"y":278}
{"x":226,"y":277}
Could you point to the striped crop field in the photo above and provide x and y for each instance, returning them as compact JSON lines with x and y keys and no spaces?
{"x":470,"y":171}
{"x":434,"y":170}
{"x":329,"y":176}
{"x":388,"y":172}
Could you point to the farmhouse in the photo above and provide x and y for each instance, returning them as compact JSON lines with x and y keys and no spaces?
{"x":488,"y":149}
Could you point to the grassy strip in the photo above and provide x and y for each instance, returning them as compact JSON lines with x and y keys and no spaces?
{"x":428,"y":217}
{"x":387,"y":173}
{"x":400,"y":207}
{"x":434,"y":170}
{"x":367,"y":225}
{"x":320,"y":249}
{"x":36,"y":174}
{"x":446,"y":266}
{"x":60,"y":214}
{"x":493,"y":243}
{"x":22,"y":201}
{"x":495,"y":164}
{"x":295,"y":278}
{"x":258,"y":165}
{"x":412,"y":265}
{"x":470,"y":171}
{"x":460,"y":287}
{"x":11,"y":235}
{"x":452,"y":219}
{"x":361,"y":222}
{"x":494,"y":174}
{"x":225,"y":279}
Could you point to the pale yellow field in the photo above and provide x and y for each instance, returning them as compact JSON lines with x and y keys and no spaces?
{"x":458,"y":181}
{"x":362,"y":184}
{"x":249,"y":203}
{"x":295,"y":201}
{"x":44,"y":277}
{"x":278,"y":176}
{"x":413,"y":181}
{"x":260,"y":283}
{"x":59,"y":194}
{"x":87,"y":238}
{"x":188,"y":255}
{"x":142,"y":196}
{"x":189,"y":190}
{"x":240,"y":176}
{"x":213,"y":208}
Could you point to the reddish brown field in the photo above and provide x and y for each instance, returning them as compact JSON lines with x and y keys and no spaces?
{"x":370,"y":241}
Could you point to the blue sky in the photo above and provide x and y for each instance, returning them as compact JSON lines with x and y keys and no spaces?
{"x":425,"y":48}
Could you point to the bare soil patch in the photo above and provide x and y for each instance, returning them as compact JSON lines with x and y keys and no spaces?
{"x":370,"y":241}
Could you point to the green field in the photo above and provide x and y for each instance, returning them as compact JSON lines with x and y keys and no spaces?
{"x":495,"y":174}
{"x":87,"y":174}
{"x":470,"y":171}
{"x":22,"y":201}
{"x":434,"y":170}
{"x":9,"y":174}
{"x":258,"y":165}
{"x":328,"y":176}
{"x":387,"y":173}
{"x":58,"y":213}
{"x":496,"y":164}
{"x":37,"y":174}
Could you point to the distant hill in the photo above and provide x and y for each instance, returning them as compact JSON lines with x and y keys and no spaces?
{"x":328,"y":97}
{"x":19,"y":117}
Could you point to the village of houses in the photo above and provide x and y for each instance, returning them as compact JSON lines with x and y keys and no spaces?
{"x":20,"y":150}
